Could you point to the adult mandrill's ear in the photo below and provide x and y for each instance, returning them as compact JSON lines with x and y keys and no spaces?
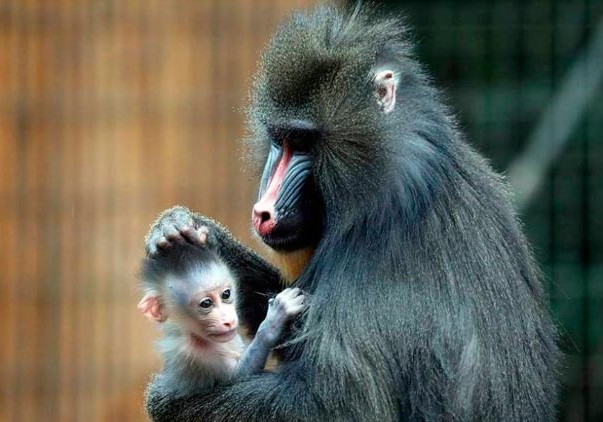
{"x":151,"y":307}
{"x":385,"y":89}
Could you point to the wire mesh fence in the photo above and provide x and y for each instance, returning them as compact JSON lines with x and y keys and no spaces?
{"x":110,"y":111}
{"x":503,"y":63}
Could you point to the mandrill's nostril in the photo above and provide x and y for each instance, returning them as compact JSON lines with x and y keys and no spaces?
{"x":265,"y":216}
{"x":261,"y":213}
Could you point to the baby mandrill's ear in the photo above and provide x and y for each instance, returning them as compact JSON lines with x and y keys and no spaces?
{"x":151,"y":307}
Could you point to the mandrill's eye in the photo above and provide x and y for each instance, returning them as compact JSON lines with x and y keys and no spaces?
{"x":300,"y":135}
{"x":205,"y":304}
{"x":226,"y":294}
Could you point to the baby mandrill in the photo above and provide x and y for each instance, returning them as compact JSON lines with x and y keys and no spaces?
{"x":193,"y":294}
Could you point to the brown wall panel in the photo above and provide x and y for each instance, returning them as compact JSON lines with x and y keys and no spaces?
{"x":110,"y":111}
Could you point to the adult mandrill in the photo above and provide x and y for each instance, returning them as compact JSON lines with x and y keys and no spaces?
{"x":426,"y":303}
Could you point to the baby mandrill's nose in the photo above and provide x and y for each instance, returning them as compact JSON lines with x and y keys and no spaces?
{"x":230,"y":324}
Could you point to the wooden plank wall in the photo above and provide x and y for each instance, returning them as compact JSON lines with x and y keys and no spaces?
{"x":110,"y":111}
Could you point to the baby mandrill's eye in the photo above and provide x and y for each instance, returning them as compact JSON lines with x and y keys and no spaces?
{"x":205,"y":304}
{"x":226,"y":294}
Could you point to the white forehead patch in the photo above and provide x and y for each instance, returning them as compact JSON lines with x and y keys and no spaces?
{"x":212,"y":276}
{"x":199,"y":278}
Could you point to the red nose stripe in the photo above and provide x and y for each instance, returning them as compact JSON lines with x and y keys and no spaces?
{"x":277,"y":178}
{"x":270,"y":196}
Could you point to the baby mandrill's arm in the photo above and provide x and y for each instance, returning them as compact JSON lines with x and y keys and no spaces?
{"x":286,"y":305}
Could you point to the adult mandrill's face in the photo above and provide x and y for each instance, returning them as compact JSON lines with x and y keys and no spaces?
{"x":324,"y":118}
{"x":289,"y":214}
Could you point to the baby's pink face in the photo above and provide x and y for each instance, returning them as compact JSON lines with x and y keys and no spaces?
{"x":215,"y":314}
{"x":203,"y":303}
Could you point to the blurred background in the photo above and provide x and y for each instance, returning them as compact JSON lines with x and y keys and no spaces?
{"x":111,"y":111}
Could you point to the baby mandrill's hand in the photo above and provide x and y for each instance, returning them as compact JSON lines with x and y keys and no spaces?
{"x":284,"y":307}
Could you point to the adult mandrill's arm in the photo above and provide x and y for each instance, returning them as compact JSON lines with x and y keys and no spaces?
{"x":258,"y":280}
{"x":285,"y":396}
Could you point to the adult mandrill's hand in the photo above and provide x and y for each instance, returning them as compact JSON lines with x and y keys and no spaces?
{"x":178,"y":226}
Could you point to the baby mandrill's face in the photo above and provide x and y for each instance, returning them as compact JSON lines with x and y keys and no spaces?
{"x":201,"y":303}
{"x":204,"y":304}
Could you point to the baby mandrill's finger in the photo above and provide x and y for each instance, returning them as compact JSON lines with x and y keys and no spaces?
{"x":295,"y":309}
{"x":291,"y":292}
